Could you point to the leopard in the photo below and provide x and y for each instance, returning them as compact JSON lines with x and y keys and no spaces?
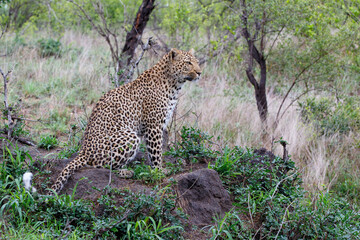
{"x":134,"y":111}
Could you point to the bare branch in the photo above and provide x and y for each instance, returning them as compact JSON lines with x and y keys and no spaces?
{"x":275,"y":40}
{"x":97,"y":28}
{"x":11,"y":123}
{"x":296,"y":80}
{"x":145,"y":47}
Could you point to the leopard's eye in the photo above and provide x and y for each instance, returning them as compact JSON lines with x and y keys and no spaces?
{"x":188,"y":62}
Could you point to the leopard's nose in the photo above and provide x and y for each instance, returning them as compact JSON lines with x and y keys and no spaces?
{"x":198,"y":73}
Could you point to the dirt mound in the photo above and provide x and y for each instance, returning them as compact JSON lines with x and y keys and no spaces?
{"x":202,"y":196}
{"x":88,"y":181}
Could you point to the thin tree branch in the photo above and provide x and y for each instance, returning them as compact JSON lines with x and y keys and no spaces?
{"x":273,"y":43}
{"x":8,"y":110}
{"x":145,"y":47}
{"x":296,"y":80}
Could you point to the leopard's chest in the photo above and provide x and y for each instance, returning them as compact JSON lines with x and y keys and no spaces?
{"x":170,"y":112}
{"x":173,"y":99}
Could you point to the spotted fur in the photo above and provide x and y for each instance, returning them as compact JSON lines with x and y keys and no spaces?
{"x":140,"y":108}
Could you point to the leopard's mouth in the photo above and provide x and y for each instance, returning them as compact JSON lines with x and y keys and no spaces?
{"x":189,"y":78}
{"x":193,"y":78}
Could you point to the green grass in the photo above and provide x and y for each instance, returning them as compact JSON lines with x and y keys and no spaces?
{"x":48,"y":142}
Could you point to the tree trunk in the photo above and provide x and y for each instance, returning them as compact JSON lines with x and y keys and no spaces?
{"x":260,"y":92}
{"x":133,"y":37}
{"x":260,"y":88}
{"x":258,"y":56}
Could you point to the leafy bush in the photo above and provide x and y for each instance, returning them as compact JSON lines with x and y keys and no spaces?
{"x":323,"y":216}
{"x":49,"y":47}
{"x":267,"y":190}
{"x":347,"y":186}
{"x":47,"y":142}
{"x":329,"y":117}
{"x":194,"y":145}
{"x":148,"y":174}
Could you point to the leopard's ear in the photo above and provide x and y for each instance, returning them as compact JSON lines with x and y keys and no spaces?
{"x":192,"y":51}
{"x":173,"y":53}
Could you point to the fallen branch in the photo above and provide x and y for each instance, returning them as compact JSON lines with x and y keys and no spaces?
{"x":19,"y":139}
{"x":25,"y":119}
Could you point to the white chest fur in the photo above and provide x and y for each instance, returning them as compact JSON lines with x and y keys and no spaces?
{"x":172,"y":104}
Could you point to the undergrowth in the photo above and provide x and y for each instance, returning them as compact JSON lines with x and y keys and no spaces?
{"x":268,"y":201}
{"x":123,"y":214}
{"x":194,"y":145}
{"x":267,"y":193}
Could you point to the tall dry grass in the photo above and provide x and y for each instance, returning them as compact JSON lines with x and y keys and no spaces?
{"x":56,"y":88}
{"x":235,"y":120}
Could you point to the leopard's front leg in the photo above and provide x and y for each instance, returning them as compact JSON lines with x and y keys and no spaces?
{"x":154,"y":143}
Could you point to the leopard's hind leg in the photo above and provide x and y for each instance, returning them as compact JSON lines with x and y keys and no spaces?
{"x":117,"y":151}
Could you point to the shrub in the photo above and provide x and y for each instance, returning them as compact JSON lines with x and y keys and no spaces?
{"x":141,"y":216}
{"x":323,"y":216}
{"x":193,"y":146}
{"x":329,"y":117}
{"x":267,"y":190}
{"x":47,"y":142}
{"x":347,"y":186}
{"x":49,"y":47}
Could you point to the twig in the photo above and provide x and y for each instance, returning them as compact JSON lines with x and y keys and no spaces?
{"x":53,"y":12}
{"x":114,"y":224}
{"x":3,"y":30}
{"x":282,"y":180}
{"x":111,"y":163}
{"x":67,"y":226}
{"x":187,"y":189}
{"x":257,"y":232}
{"x":296,"y":81}
{"x":282,"y":221}
{"x":104,"y":31}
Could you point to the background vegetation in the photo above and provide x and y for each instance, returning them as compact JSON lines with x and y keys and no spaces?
{"x":310,"y":50}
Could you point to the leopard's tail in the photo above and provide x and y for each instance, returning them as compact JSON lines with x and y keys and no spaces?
{"x":27,"y":179}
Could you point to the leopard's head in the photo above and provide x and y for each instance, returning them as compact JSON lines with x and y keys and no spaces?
{"x":184,"y":66}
